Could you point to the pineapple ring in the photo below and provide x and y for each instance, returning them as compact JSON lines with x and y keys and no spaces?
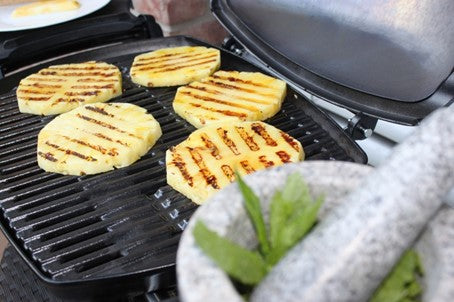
{"x":205,"y":162}
{"x":174,"y":66}
{"x":230,"y":95}
{"x":96,"y":138}
{"x":61,"y":88}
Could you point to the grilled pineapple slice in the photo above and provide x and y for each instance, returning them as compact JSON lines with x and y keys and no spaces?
{"x":96,"y":138}
{"x":205,"y":162}
{"x":230,"y":95}
{"x":174,"y":66}
{"x":61,"y":88}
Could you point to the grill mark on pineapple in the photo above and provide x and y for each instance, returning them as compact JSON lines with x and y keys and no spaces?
{"x":83,"y":93}
{"x":284,"y":156}
{"x":218,"y":101}
{"x":49,"y":156}
{"x":94,"y":80}
{"x":247,"y":138}
{"x":46,"y":79}
{"x":108,"y":86}
{"x":228,"y":172}
{"x":105,"y":125}
{"x":225,"y":112}
{"x":178,"y":162}
{"x":70,"y":100}
{"x":184,"y":66}
{"x":239,"y":88}
{"x":77,"y":74}
{"x":151,"y":66}
{"x":210,"y":146}
{"x":154,"y":56}
{"x":238,"y":80}
{"x":173,"y":55}
{"x":227,"y":141}
{"x":214,"y":91}
{"x":291,"y":141}
{"x":40,"y":85}
{"x":260,"y":130}
{"x":99,"y":110}
{"x":37,"y":99}
{"x":71,"y":152}
{"x":84,"y":68}
{"x":266,"y":163}
{"x":29,"y":91}
{"x":105,"y":137}
{"x":198,"y":159}
{"x":247,"y":167}
{"x":101,"y":149}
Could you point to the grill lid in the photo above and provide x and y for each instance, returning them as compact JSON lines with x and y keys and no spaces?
{"x":395,"y":65}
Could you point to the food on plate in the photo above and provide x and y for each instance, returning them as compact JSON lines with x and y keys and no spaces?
{"x":96,"y":138}
{"x":61,"y":88}
{"x":230,"y":95}
{"x":205,"y":162}
{"x":174,"y":66}
{"x":45,"y":7}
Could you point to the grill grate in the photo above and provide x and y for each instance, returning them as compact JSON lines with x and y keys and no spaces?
{"x":128,"y":220}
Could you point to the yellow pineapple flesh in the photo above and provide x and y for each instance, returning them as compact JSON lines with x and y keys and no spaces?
{"x":96,"y":138}
{"x":205,"y":162}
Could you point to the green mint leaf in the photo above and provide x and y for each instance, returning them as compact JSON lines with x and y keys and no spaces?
{"x":401,"y":284}
{"x":301,"y":222}
{"x":293,"y":197}
{"x":296,"y":190}
{"x":280,"y":211}
{"x":241,"y":264}
{"x":296,"y":227}
{"x":253,"y":208}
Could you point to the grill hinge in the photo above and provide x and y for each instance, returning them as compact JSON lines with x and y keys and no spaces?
{"x":230,"y":44}
{"x":361,"y":126}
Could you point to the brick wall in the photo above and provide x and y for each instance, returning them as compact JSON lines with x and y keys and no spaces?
{"x":184,"y":17}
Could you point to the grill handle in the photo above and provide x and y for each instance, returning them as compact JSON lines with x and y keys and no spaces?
{"x":56,"y":41}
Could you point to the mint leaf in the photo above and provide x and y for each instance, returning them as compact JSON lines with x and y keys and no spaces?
{"x":296,"y":190}
{"x":401,"y":284}
{"x":293,"y":197}
{"x":300,"y":223}
{"x":241,"y":264}
{"x":280,"y":211}
{"x":296,"y":226}
{"x":253,"y":208}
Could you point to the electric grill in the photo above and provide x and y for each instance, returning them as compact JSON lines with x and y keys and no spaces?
{"x":116,"y":234}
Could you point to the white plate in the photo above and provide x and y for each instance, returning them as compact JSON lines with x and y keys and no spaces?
{"x":7,"y":23}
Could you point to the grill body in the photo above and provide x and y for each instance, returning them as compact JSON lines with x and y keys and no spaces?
{"x":118,"y":232}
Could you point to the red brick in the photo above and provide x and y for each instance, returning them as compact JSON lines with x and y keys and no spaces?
{"x":209,"y":31}
{"x":171,"y":12}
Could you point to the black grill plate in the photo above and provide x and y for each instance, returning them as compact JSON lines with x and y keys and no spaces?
{"x":83,"y":234}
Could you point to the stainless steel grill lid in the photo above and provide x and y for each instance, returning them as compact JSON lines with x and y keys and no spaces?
{"x":353,"y":52}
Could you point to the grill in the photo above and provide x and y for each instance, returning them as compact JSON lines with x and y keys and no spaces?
{"x":119,"y":231}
